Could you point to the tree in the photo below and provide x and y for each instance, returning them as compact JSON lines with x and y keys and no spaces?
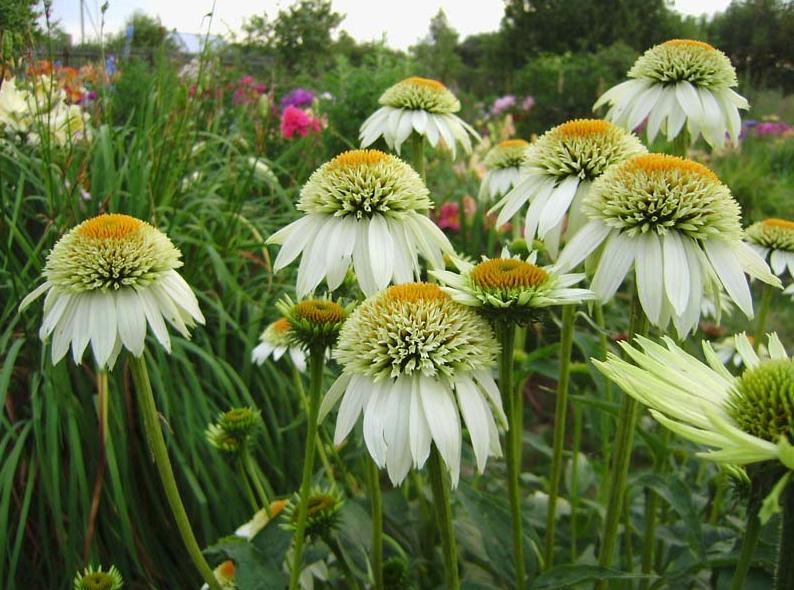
{"x":300,"y":38}
{"x":437,"y":54}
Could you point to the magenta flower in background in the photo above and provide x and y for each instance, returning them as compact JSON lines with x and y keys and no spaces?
{"x":528,"y":103}
{"x":448,"y":215}
{"x":502,"y":104}
{"x":771,"y":128}
{"x":299,"y":97}
{"x":295,"y":121}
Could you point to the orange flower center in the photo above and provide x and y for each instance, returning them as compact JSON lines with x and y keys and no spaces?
{"x":425,"y":82}
{"x":583,"y":127}
{"x":112,"y":226}
{"x":507,"y":273}
{"x":655,"y":163}
{"x":320,"y":311}
{"x":781,"y":223}
{"x":512,"y":143}
{"x":688,"y":43}
{"x":358,"y":158}
{"x":412,"y":292}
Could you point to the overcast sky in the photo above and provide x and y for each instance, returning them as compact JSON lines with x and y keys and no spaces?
{"x":403,"y":22}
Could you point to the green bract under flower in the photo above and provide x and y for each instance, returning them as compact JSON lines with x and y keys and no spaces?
{"x":582,"y":147}
{"x":362,"y":184}
{"x":777,"y":234}
{"x":417,"y":93}
{"x":682,"y":59}
{"x":322,"y":512}
{"x":510,"y":288}
{"x":411,"y":329}
{"x":109,"y":252}
{"x":762,"y":401}
{"x":314,"y":323}
{"x":96,"y":579}
{"x":660,"y":193}
{"x":507,"y":154}
{"x":240,"y":421}
{"x":225,"y":442}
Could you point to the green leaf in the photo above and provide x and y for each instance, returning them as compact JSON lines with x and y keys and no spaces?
{"x":569,"y":576}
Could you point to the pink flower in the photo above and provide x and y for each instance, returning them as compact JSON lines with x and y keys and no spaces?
{"x":295,"y":121}
{"x":449,"y":216}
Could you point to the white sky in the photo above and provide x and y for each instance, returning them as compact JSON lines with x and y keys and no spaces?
{"x":402,"y":21}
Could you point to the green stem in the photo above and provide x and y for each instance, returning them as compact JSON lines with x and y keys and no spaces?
{"x":254,"y":475}
{"x":624,"y":438}
{"x":606,"y":429}
{"x":439,"y":481}
{"x":514,"y":406}
{"x":249,"y":491}
{"x":560,"y":411}
{"x":784,"y":576}
{"x":577,"y":445}
{"x":418,"y":145}
{"x":377,"y":523}
{"x":763,"y":314}
{"x":750,"y":539}
{"x":681,"y":143}
{"x":649,"y":534}
{"x":316,"y":364}
{"x":154,"y":437}
{"x":102,"y":425}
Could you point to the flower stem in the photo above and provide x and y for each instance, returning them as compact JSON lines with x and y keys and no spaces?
{"x":154,"y":437}
{"x":681,"y":143}
{"x":377,"y":523}
{"x":514,"y":406}
{"x":763,"y":313}
{"x":249,"y":491}
{"x":418,"y":142}
{"x":252,"y":473}
{"x":784,"y":576}
{"x":606,"y":427}
{"x":560,"y":411}
{"x":102,"y":424}
{"x":441,"y":498}
{"x":624,"y":438}
{"x":749,"y":541}
{"x":317,"y":364}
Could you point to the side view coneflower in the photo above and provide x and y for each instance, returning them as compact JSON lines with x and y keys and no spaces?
{"x":503,"y":168}
{"x":364,"y":209}
{"x":773,"y":239}
{"x":679,"y":85}
{"x":95,"y":578}
{"x":274,"y":342}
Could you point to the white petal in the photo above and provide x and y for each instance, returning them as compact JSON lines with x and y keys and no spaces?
{"x":648,"y":269}
{"x":444,"y":423}
{"x":333,"y":395}
{"x":557,"y":206}
{"x":582,"y":244}
{"x":614,"y":264}
{"x":103,"y":327}
{"x":357,"y":392}
{"x":131,"y":320}
{"x":727,"y":267}
{"x":474,"y":414}
{"x":676,"y":271}
{"x":690,"y":101}
{"x":418,"y":429}
{"x":155,"y":318}
{"x":381,"y":251}
{"x":374,"y":421}
{"x":361,"y":261}
{"x":295,"y":237}
{"x":398,"y":453}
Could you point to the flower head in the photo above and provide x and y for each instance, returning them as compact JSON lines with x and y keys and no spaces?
{"x":557,"y":172}
{"x":295,"y":121}
{"x":298,"y":97}
{"x":226,"y":575}
{"x":275,"y":341}
{"x":322,"y":512}
{"x":313,"y":322}
{"x":364,"y":208}
{"x":677,"y":82}
{"x":412,"y":356}
{"x":95,"y":579}
{"x":774,"y":238}
{"x":746,"y":419}
{"x":105,"y":279}
{"x":511,"y":287}
{"x":234,"y":429}
{"x":421,"y":105}
{"x":503,"y":163}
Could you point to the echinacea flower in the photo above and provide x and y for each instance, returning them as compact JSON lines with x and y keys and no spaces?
{"x":367,"y":209}
{"x":744,"y":419}
{"x":105,"y":280}
{"x":413,"y":358}
{"x":675,"y":83}
{"x":313,"y":322}
{"x":274,"y":342}
{"x":233,"y":430}
{"x":322,"y":512}
{"x":419,"y":105}
{"x":503,"y":163}
{"x":93,"y":578}
{"x":511,"y":286}
{"x":679,"y":226}
{"x":774,"y":239}
{"x":557,"y":172}
{"x":226,"y":575}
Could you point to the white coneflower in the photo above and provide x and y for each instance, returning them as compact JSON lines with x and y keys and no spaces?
{"x":773,"y":239}
{"x":511,"y":286}
{"x":105,"y":280}
{"x":503,"y":163}
{"x":93,"y":578}
{"x":364,"y":208}
{"x":274,"y":342}
{"x":745,"y":419}
{"x":679,"y":226}
{"x":677,"y":82}
{"x":226,"y":575}
{"x":15,"y":112}
{"x":728,"y":349}
{"x":412,"y":359}
{"x":421,"y":105}
{"x":557,"y":173}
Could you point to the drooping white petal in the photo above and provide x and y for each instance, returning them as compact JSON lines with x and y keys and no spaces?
{"x":398,"y":452}
{"x":419,"y":429}
{"x":131,"y":320}
{"x":557,"y":206}
{"x":103,"y":327}
{"x":729,"y":271}
{"x":615,"y":262}
{"x":444,"y":423}
{"x":474,"y":414}
{"x":381,"y":251}
{"x":582,"y":245}
{"x":676,"y":271}
{"x":648,"y":269}
{"x":375,"y":419}
{"x":357,"y":391}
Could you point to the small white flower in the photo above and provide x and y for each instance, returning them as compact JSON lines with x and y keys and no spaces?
{"x":413,"y":358}
{"x":677,"y":82}
{"x":678,"y":225}
{"x":557,"y":173}
{"x":745,"y":419}
{"x":367,"y":209}
{"x":274,"y":342}
{"x":421,"y":105}
{"x":503,"y":165}
{"x":105,"y":280}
